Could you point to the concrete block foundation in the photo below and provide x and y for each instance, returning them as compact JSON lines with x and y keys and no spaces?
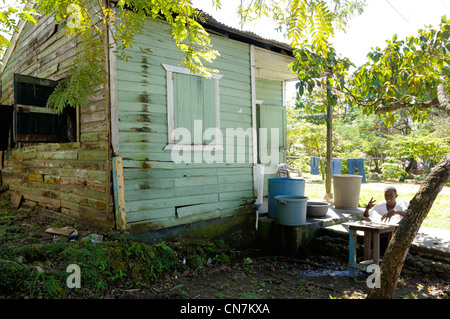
{"x":291,"y":239}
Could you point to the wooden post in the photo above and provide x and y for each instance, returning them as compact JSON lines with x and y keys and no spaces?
{"x":352,"y":253}
{"x":105,"y":41}
{"x":367,"y":244}
{"x":376,"y":248}
{"x":119,"y":194}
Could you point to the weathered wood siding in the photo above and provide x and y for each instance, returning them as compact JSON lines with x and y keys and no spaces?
{"x":158,"y":192}
{"x":269,"y":91}
{"x":68,"y":177}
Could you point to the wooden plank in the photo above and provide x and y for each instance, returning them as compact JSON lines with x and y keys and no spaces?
{"x":140,"y":117}
{"x":86,"y":191}
{"x":197,"y":191}
{"x":94,"y":116}
{"x":200,"y":211}
{"x":236,"y":196}
{"x":144,"y":127}
{"x":33,"y":109}
{"x":150,"y":214}
{"x":97,"y":155}
{"x":143,"y":137}
{"x":92,"y":214}
{"x":50,"y":71}
{"x":47,"y":147}
{"x":172,"y":201}
{"x":119,"y":194}
{"x":43,"y":201}
{"x":196,"y":181}
{"x":148,"y":156}
{"x":113,"y":85}
{"x":62,"y":231}
{"x":142,"y":147}
{"x":159,"y":183}
{"x":69,"y":205}
{"x":352,"y":252}
{"x":129,"y":163}
{"x":376,"y":248}
{"x":157,"y":173}
{"x":49,"y":179}
{"x":97,"y":204}
{"x":371,"y":226}
{"x":233,"y":179}
{"x":59,"y":155}
{"x":35,"y":138}
{"x":367,"y":245}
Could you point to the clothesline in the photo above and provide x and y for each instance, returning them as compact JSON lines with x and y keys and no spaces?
{"x":336,"y":166}
{"x":366,"y":158}
{"x":321,"y":157}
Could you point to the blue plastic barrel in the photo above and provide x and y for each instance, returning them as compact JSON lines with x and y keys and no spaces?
{"x":291,"y":210}
{"x":283,"y":186}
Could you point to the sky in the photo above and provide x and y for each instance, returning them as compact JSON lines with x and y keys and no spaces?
{"x":380,"y":21}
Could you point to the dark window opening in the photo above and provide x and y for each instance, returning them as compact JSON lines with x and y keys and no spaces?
{"x":6,"y":118}
{"x":33,"y":122}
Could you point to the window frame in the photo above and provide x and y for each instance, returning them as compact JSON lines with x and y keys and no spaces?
{"x":26,"y":107}
{"x":172,"y":144}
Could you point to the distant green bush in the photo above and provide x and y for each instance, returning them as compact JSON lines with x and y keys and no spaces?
{"x":393,"y":170}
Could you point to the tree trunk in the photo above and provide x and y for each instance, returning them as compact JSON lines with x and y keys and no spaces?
{"x":328,"y":194}
{"x":444,"y":101}
{"x":398,"y":247}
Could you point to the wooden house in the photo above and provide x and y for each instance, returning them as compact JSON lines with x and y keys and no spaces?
{"x":113,"y":162}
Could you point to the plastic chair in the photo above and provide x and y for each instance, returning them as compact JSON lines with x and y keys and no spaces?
{"x":287,"y":172}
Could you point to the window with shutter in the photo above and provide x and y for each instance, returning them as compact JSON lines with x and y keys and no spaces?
{"x":193,"y":106}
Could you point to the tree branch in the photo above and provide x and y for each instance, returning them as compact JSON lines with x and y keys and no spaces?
{"x":442,"y":100}
{"x":398,"y":105}
{"x":357,"y":101}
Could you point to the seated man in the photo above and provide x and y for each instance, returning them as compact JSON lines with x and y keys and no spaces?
{"x":387,"y":209}
{"x":390,"y":208}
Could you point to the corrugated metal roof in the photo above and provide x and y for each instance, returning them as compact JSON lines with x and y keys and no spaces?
{"x":211,"y":24}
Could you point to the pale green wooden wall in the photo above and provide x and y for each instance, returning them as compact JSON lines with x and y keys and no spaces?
{"x":158,"y":191}
{"x":270,"y":91}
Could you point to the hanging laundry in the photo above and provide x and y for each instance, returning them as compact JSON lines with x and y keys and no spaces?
{"x":314,"y":162}
{"x":336,"y":166}
{"x":351,"y":166}
{"x":360,"y":164}
{"x":353,"y":163}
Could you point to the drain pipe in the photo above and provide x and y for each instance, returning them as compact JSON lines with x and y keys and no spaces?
{"x":259,"y":186}
{"x":257,"y":219}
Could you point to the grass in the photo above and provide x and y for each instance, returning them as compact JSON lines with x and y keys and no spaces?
{"x":121,"y":264}
{"x":438,"y":217}
{"x":30,"y":266}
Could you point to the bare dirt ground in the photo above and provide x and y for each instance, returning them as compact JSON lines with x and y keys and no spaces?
{"x":281,"y":277}
{"x":253,"y":274}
